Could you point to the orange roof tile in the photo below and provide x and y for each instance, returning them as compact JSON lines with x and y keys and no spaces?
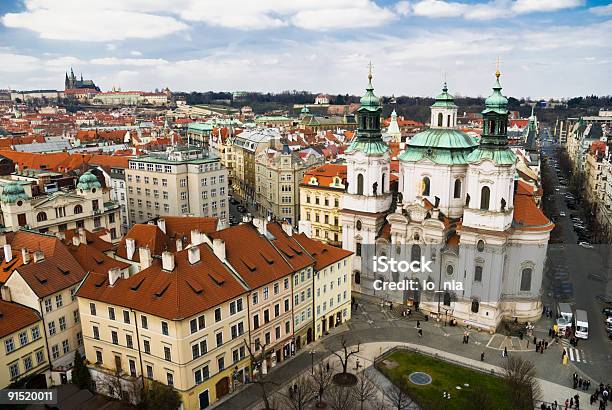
{"x":187,"y":290}
{"x":324,"y":254}
{"x":14,"y":317}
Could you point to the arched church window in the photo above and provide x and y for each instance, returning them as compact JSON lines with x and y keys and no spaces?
{"x":41,"y":216}
{"x":358,"y":225}
{"x":485,"y":196}
{"x":382,"y":188}
{"x":359,"y":184}
{"x":440,"y":119}
{"x":475,"y":305}
{"x":480,"y":245}
{"x":357,"y":277}
{"x":425,"y":186}
{"x":491,"y":127}
{"x":526,"y":279}
{"x":457,"y":190}
{"x":415,"y":253}
{"x":78,"y":209}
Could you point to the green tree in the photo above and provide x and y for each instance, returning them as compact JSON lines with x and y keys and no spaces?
{"x":160,"y":396}
{"x":80,"y":373}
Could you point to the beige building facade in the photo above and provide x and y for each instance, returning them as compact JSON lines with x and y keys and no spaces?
{"x":185,"y":181}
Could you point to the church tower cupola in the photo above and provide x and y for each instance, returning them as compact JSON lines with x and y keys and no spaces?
{"x":444,"y":110}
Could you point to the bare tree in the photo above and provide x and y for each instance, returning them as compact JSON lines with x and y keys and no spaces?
{"x":346,"y":354}
{"x":322,"y":381}
{"x":365,"y":390}
{"x":520,"y":376}
{"x":341,"y":398}
{"x":257,"y":359}
{"x":398,"y":397}
{"x":300,"y":394}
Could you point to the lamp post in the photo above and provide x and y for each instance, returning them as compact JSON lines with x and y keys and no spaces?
{"x":312,"y":353}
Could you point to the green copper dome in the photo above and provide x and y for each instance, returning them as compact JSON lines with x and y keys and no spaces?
{"x":369,"y":101}
{"x":305,"y":110}
{"x":87,"y":181}
{"x":445,"y":99}
{"x":12,"y":192}
{"x":496,"y":102}
{"x":439,"y":145}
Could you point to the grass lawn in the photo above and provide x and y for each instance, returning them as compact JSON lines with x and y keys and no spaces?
{"x":486,"y":390}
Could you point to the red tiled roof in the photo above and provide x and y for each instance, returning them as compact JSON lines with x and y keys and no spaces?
{"x":180,"y":226}
{"x":253,"y":257}
{"x":291,"y":250}
{"x":59,"y":269}
{"x":324,"y":254}
{"x":146,"y":236}
{"x":14,"y":317}
{"x":527,"y":215}
{"x":92,"y":240}
{"x":184,"y":292}
{"x":325,"y":174}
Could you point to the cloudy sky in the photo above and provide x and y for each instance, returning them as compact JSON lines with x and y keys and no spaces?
{"x":548,"y":48}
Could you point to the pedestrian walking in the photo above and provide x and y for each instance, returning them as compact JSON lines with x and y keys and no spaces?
{"x":327,"y":367}
{"x":482,"y":357}
{"x":418,"y":324}
{"x":566,"y":403}
{"x":505,"y":351}
{"x":420,"y":332}
{"x":571,"y":402}
{"x":467,"y":338}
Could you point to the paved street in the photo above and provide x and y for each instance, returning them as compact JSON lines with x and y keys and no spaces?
{"x":593,"y":357}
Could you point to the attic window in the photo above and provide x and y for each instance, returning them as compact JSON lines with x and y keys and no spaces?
{"x":9,"y":266}
{"x":287,"y":252}
{"x":295,"y":248}
{"x":267,"y":258}
{"x":163,"y":290}
{"x":41,"y":279}
{"x":137,"y":284}
{"x":101,"y":282}
{"x":251,"y":266}
{"x":195,"y":286}
{"x":63,"y":270}
{"x":217,"y":279}
{"x":324,"y":250}
{"x":98,"y":260}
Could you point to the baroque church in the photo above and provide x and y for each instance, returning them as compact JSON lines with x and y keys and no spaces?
{"x":460,"y":204}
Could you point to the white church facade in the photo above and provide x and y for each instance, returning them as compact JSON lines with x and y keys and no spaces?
{"x":460,"y":205}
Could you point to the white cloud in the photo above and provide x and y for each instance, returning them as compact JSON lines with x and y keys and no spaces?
{"x":403,"y":8}
{"x":490,"y":10}
{"x":135,"y":53}
{"x":142,"y":62}
{"x":17,"y":63}
{"x":602,"y":10}
{"x":96,"y":21}
{"x":530,"y":6}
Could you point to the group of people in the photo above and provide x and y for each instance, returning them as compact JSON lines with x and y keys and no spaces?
{"x":466,"y":337}
{"x":540,"y":345}
{"x":579,"y":383}
{"x":602,"y":393}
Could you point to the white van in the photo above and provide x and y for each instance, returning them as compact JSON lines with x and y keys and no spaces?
{"x":582,"y":325}
{"x":565,"y":316}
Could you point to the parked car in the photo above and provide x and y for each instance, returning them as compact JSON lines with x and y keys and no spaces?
{"x":561,"y":213}
{"x":607,"y":311}
{"x":586,"y":245}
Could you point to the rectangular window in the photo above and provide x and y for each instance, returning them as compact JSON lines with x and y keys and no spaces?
{"x":115,"y":337}
{"x":65,"y":346}
{"x":149,"y":371}
{"x":96,"y":333}
{"x":79,"y":337}
{"x":265,"y":293}
{"x":99,"y":357}
{"x":128,"y":341}
{"x":55,"y":351}
{"x":170,"y":378}
{"x":52,"y":328}
{"x":111,"y":313}
{"x":14,"y":370}
{"x":167,"y":353}
{"x":147,"y":346}
{"x":23,"y":338}
{"x":126,"y":317}
{"x":254,"y":297}
{"x":62,"y":323}
{"x":48,"y":305}
{"x":478,"y":273}
{"x":92,"y":308}
{"x":35,"y":333}
{"x":164,"y":326}
{"x":9,"y":345}
{"x":40,"y":357}
{"x":219,"y":338}
{"x":256,"y":321}
{"x":58,"y":301}
{"x":221,"y":363}
{"x":144,"y":322}
{"x":217,"y":315}
{"x":266,"y":316}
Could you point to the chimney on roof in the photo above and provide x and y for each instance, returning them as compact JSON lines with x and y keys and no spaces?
{"x":113,"y":275}
{"x":261,"y":224}
{"x":5,"y":291}
{"x":76,"y":241}
{"x":25,"y":255}
{"x":179,"y":244}
{"x":161,"y":224}
{"x":168,"y":261}
{"x":60,"y":235}
{"x":194,"y":254}
{"x":247,"y":218}
{"x":145,"y":257}
{"x":287,"y":228}
{"x":196,"y":237}
{"x":130,"y":247}
{"x":219,"y":248}
{"x":8,"y":252}
{"x":39,"y":256}
{"x":82,"y":236}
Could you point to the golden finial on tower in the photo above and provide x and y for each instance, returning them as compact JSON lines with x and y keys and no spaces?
{"x":370,"y":71}
{"x":497,"y":72}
